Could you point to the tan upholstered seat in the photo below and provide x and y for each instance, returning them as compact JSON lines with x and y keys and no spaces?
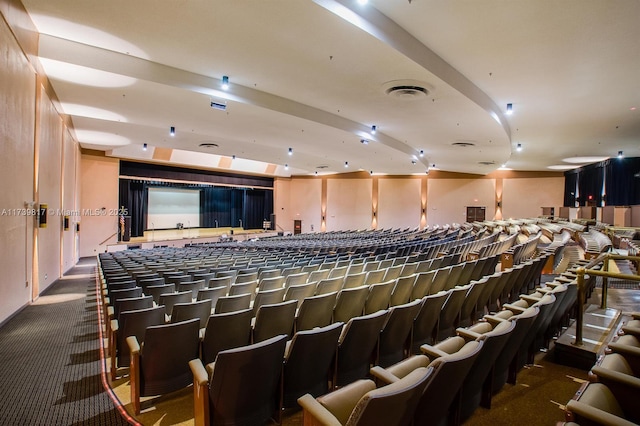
{"x":361,"y":404}
{"x":241,"y":386}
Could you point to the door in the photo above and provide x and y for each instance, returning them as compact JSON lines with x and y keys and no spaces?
{"x":475,"y":214}
{"x":297,"y":227}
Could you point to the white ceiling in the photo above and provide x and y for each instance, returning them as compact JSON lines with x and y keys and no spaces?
{"x":312,"y":74}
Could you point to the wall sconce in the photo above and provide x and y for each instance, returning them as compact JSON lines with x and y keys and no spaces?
{"x":424,"y":210}
{"x":374,"y":213}
{"x":499,"y":204}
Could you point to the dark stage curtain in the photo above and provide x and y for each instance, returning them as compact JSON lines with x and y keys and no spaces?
{"x":215,"y":207}
{"x":570,"y":181}
{"x":133,"y":197}
{"x":590,"y":182}
{"x":258,"y":206}
{"x":623,"y":181}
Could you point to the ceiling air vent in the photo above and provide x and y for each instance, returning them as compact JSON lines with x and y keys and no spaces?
{"x":463,"y":144}
{"x":487,"y":163}
{"x":208,"y":145}
{"x":407,"y":92}
{"x":322,"y":166}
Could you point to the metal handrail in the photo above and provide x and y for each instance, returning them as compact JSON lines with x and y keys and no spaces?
{"x":605,"y":273}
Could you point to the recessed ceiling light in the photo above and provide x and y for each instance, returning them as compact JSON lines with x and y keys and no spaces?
{"x":346,"y":164}
{"x":364,"y":141}
{"x":290,"y":151}
{"x":509,"y":109}
{"x":374,"y":128}
{"x":144,"y":146}
{"x":421,"y":153}
{"x":172,"y":131}
{"x":519,"y":147}
{"x":620,"y":154}
{"x":225,"y":82}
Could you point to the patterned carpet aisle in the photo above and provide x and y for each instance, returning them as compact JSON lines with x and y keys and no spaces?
{"x":50,"y":371}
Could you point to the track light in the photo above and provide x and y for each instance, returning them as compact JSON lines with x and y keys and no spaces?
{"x":290,"y":151}
{"x":144,"y":146}
{"x":346,"y":164}
{"x":225,"y":82}
{"x":172,"y":131}
{"x":509,"y":109}
{"x":620,"y":154}
{"x":364,"y":141}
{"x":374,"y":128}
{"x":422,"y":153}
{"x":519,"y":147}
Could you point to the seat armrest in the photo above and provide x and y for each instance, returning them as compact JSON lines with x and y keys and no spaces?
{"x":635,"y":315}
{"x":134,"y":372}
{"x":200,"y":392}
{"x":627,"y":351}
{"x":634,"y":331}
{"x":432,"y":352}
{"x":314,"y":413}
{"x":134,"y":346}
{"x":467,"y":334}
{"x":596,"y":415}
{"x":606,"y":376}
{"x":494,"y":320}
{"x":513,"y":308}
{"x":529,"y":298}
{"x":110,"y":311}
{"x":382,"y":374}
{"x":341,"y":402}
{"x":114,"y":325}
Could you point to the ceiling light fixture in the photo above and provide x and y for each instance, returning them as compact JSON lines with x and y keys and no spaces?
{"x":422,"y":153}
{"x":364,"y":141}
{"x":346,"y":164}
{"x":413,"y":162}
{"x":316,"y":173}
{"x":370,"y":172}
{"x":172,"y":131}
{"x":233,"y":157}
{"x":225,"y":82}
{"x":290,"y":151}
{"x":374,"y":128}
{"x":286,"y":167}
{"x":620,"y":154}
{"x":519,"y":147}
{"x":509,"y":109}
{"x":144,"y":146}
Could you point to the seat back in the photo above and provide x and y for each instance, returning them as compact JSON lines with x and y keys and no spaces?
{"x":132,"y":304}
{"x":186,"y":311}
{"x":226,"y":331}
{"x":354,"y":280}
{"x":425,"y":324}
{"x":246,"y":278}
{"x":296,"y":279}
{"x":232,"y":303}
{"x":329,"y":285}
{"x":356,"y":346}
{"x":271,"y":283}
{"x":396,"y":333}
{"x":392,"y":272}
{"x":402,"y":290}
{"x":244,"y":383}
{"x":273,"y":320}
{"x":170,"y":299}
{"x":192,"y":286}
{"x":422,"y":285}
{"x":379,"y":296}
{"x":212,"y":293}
{"x":448,"y":376}
{"x":300,"y":292}
{"x":134,"y":323}
{"x":440,"y":280}
{"x":350,"y":303}
{"x":469,"y":306}
{"x":156,"y":290}
{"x":393,"y":404}
{"x":219,"y":281}
{"x":316,"y":311}
{"x":374,"y":276}
{"x":318,"y":275}
{"x":243,"y":288}
{"x":147,"y":282}
{"x":308,"y":362}
{"x":268,"y":297}
{"x":165,"y":356}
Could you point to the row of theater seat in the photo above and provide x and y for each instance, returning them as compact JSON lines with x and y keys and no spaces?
{"x":133,"y":346}
{"x":452,"y":378}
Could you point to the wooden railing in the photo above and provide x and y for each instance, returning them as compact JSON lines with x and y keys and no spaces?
{"x":605,"y":274}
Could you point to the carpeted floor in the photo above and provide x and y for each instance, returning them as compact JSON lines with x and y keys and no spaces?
{"x":50,"y":359}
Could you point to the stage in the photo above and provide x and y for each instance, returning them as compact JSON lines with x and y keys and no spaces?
{"x":186,"y":236}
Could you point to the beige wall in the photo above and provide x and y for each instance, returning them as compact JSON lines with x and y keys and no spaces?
{"x":399,"y":203}
{"x":447,"y":199}
{"x":38,"y":161}
{"x":349,"y":204}
{"x":304,"y":204}
{"x":17,"y":110}
{"x":49,"y":191}
{"x":99,"y":177}
{"x":70,"y":207}
{"x":525,"y":197}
